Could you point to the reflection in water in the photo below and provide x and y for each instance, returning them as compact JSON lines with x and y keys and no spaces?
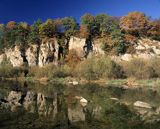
{"x":76,"y":114}
{"x":82,"y":107}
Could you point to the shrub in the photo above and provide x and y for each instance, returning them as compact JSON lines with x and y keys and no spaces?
{"x":155,"y":64}
{"x":62,"y":71}
{"x":73,"y":58}
{"x":9,"y":71}
{"x":39,"y":72}
{"x":85,"y":69}
{"x":49,"y":71}
{"x":95,"y":68}
{"x":107,"y":44}
{"x":138,"y":68}
{"x":105,"y":67}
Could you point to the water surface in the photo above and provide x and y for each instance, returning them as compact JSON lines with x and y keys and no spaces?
{"x":57,"y":106}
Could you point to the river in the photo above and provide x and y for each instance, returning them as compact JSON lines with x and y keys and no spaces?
{"x":55,"y":106}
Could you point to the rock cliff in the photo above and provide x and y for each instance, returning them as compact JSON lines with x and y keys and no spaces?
{"x":35,"y":54}
{"x":145,"y":49}
{"x":14,"y":56}
{"x":48,"y":51}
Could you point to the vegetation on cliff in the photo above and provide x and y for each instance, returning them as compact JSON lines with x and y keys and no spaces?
{"x":120,"y":30}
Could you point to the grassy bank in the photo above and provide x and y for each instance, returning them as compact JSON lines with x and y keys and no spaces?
{"x":96,"y":69}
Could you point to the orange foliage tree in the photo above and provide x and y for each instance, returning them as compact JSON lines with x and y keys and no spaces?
{"x":11,"y":25}
{"x":134,"y":23}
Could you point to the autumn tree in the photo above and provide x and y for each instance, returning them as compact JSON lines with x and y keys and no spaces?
{"x":134,"y":23}
{"x":11,"y":25}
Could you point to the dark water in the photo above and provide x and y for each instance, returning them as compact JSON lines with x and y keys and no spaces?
{"x":56,"y":106}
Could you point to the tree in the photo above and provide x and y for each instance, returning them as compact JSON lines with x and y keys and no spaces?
{"x":118,"y":38}
{"x":58,"y":25}
{"x":154,"y":29}
{"x":47,"y":29}
{"x":11,"y":25}
{"x":134,"y":23}
{"x":89,"y":21}
{"x":34,"y":36}
{"x":23,"y":30}
{"x":106,"y":24}
{"x":10,"y":36}
{"x":2,"y":31}
{"x":18,"y":34}
{"x":70,"y":26}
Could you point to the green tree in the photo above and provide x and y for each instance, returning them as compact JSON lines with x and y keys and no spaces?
{"x":34,"y":36}
{"x":47,"y":29}
{"x":2,"y":31}
{"x":22,"y":32}
{"x":89,"y":21}
{"x":118,"y":39}
{"x":106,"y":24}
{"x":70,"y":26}
{"x":10,"y":36}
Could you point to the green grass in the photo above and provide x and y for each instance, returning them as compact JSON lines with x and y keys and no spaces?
{"x":116,"y":82}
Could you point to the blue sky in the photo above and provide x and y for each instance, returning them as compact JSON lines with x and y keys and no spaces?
{"x":30,"y":10}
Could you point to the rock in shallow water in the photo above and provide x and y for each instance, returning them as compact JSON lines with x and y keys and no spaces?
{"x":141,"y":104}
{"x":83,"y":102}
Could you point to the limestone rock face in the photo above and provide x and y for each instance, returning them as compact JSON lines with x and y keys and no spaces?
{"x":35,"y":55}
{"x":83,"y":47}
{"x":31,"y":55}
{"x":126,"y":57}
{"x":97,"y":47}
{"x":14,"y":56}
{"x":145,"y":49}
{"x":78,"y":45}
{"x":48,"y":51}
